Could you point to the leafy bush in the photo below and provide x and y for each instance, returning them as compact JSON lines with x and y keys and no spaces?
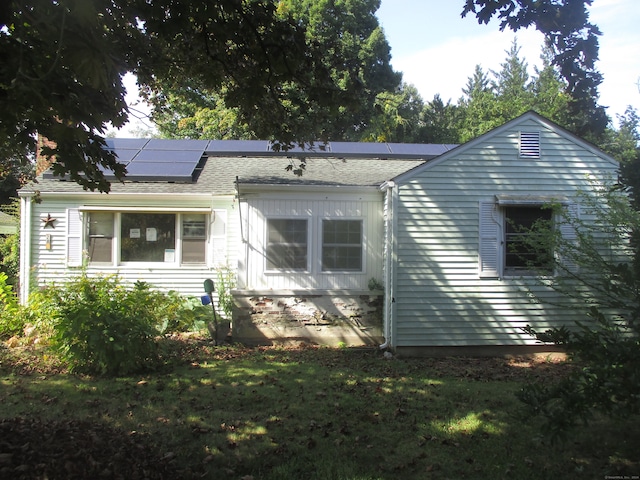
{"x":175,"y":313}
{"x":11,"y":323}
{"x":607,"y":342}
{"x":10,"y":257}
{"x":226,"y":281}
{"x":104,"y":327}
{"x":10,"y":246}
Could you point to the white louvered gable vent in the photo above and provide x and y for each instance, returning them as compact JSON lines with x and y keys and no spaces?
{"x":530,"y":144}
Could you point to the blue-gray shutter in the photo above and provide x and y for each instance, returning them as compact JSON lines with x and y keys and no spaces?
{"x":489,"y":242}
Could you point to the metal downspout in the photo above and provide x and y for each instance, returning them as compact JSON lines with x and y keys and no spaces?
{"x":389,"y":264}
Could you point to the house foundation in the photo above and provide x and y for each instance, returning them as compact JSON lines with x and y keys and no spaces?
{"x":326,"y":318}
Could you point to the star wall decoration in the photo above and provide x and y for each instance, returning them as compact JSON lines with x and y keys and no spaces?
{"x":49,"y":222}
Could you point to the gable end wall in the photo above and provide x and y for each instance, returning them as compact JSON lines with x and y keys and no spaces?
{"x":440,"y":299}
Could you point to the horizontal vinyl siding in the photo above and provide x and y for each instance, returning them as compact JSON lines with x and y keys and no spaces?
{"x":439,"y":298}
{"x":49,"y":266}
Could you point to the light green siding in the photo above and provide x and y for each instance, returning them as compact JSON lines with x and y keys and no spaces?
{"x":439,"y":297}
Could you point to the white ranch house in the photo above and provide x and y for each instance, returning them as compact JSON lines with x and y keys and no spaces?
{"x":401,"y":245}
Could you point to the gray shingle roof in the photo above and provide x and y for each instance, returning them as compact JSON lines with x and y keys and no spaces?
{"x":219,"y":173}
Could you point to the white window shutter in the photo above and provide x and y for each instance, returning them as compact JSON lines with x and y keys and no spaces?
{"x":489,"y":242}
{"x":219,"y":238}
{"x":74,"y":237}
{"x":568,"y":232}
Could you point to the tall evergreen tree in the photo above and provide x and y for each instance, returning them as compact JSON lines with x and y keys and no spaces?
{"x":512,"y":85}
{"x":479,"y":107}
{"x":573,"y":41}
{"x":550,"y":98}
{"x":442,"y":122}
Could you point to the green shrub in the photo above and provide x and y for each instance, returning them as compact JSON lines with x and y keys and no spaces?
{"x":11,"y":322}
{"x":104,"y":327}
{"x":226,"y":278}
{"x":604,"y":290}
{"x":176,"y":313}
{"x":10,"y":257}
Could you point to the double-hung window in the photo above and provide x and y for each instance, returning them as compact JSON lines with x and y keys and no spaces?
{"x":342,"y":245}
{"x":287,"y":245}
{"x":323,"y":245}
{"x":524,"y":254}
{"x":508,"y":243}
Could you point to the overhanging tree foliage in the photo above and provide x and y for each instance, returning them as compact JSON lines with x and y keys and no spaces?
{"x":291,"y":70}
{"x":62,"y":63}
{"x":346,"y":41}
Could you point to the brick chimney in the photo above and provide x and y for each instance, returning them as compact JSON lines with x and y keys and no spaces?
{"x":43,"y":162}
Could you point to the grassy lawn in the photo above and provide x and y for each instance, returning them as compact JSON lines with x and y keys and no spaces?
{"x":316,"y":413}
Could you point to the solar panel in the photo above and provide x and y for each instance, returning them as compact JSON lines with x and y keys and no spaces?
{"x":311,"y":148}
{"x":168,"y":156}
{"x":359,"y":148}
{"x":418,"y":149}
{"x":176,"y":172}
{"x":238,"y":146}
{"x":125,"y":156}
{"x":176,"y":145}
{"x":125,"y":143}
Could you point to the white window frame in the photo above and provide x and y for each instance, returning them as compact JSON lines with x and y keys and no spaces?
{"x":116,"y":243}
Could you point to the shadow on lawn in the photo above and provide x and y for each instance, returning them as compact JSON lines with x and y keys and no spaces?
{"x":319,"y":413}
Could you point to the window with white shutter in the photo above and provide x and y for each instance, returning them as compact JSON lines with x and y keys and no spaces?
{"x":504,"y":233}
{"x":74,"y":237}
{"x":219,"y":237}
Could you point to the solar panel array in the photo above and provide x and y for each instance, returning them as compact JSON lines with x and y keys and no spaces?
{"x":182,"y":160}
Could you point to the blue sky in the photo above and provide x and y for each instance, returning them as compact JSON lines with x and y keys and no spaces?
{"x":437,"y":50}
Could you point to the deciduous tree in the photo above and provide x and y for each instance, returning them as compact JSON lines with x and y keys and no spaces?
{"x":349,"y":44}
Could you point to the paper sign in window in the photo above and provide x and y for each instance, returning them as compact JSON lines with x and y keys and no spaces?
{"x":152,"y":234}
{"x":134,"y":233}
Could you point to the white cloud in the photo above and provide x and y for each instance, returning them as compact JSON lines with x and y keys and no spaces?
{"x":444,"y":69}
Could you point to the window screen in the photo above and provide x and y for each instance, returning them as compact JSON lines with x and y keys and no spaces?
{"x":342,"y":245}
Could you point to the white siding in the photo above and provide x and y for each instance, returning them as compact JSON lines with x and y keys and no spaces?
{"x":441,"y":297}
{"x":62,"y":257}
{"x":313,"y":207}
